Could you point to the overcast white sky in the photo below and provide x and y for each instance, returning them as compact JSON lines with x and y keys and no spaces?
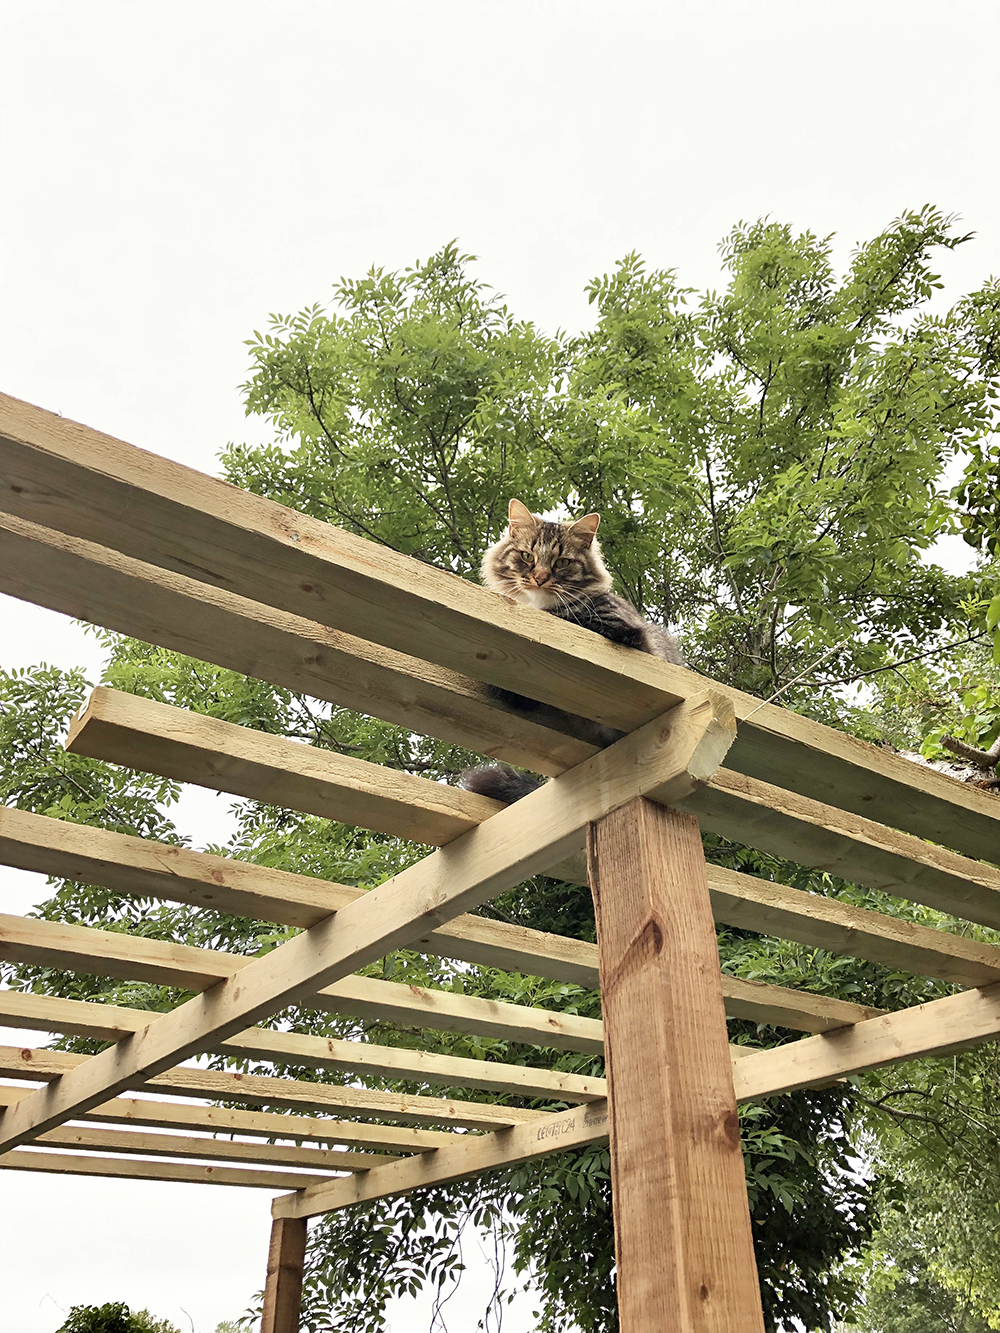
{"x":171,"y":174}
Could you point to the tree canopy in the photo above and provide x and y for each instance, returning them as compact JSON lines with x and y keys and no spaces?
{"x":771,"y":462}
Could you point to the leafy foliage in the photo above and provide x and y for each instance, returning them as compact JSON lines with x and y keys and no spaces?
{"x":770,"y":463}
{"x":113,"y":1317}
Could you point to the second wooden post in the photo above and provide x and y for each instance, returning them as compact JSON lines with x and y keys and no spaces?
{"x":682,"y":1223}
{"x":285,"y":1263}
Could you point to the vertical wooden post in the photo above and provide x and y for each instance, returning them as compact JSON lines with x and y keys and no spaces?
{"x":283,"y":1289}
{"x":682,"y":1223}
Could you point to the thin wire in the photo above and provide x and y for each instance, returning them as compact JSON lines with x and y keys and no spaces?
{"x":809,"y":669}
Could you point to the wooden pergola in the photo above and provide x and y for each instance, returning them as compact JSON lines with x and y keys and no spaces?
{"x":101,"y":530}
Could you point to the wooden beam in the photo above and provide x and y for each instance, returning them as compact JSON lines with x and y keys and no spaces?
{"x":683,"y":1244}
{"x":145,"y":867}
{"x":54,"y":1067}
{"x":145,"y":1112}
{"x":171,"y":742}
{"x":188,"y":1173}
{"x":47,"y":1013}
{"x":285,"y":1264}
{"x":114,"y":954}
{"x":191,"y":747}
{"x":130,"y":1142}
{"x":934,"y":1029}
{"x":808,"y":832}
{"x":81,"y":578}
{"x":467,"y":1156}
{"x":669,"y":756}
{"x":91,"y":489}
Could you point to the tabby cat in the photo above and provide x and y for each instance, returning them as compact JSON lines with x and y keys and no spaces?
{"x":558,"y":568}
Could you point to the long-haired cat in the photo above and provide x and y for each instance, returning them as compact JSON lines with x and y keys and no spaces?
{"x":558,"y":568}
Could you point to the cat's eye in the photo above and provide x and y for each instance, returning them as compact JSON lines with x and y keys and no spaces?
{"x":526,"y":557}
{"x":563,"y":563}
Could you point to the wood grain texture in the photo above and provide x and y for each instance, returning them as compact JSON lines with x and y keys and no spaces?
{"x":283,"y":1287}
{"x":145,"y":867}
{"x":48,"y":1013}
{"x":669,"y":756}
{"x":104,"y":587}
{"x":131,"y":1142}
{"x":939,"y":1027}
{"x":856,"y":848}
{"x":933,"y":1029}
{"x":91,"y":492}
{"x":148,"y":1113}
{"x":187,"y":1173}
{"x":683,"y":1243}
{"x":42,"y":1065}
{"x":111,"y":953}
{"x":191,"y":747}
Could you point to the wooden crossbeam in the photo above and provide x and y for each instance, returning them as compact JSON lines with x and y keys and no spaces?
{"x":142,"y":866}
{"x":131,"y":1142}
{"x":90,"y":490}
{"x":669,"y":756}
{"x":811,"y":833}
{"x":115,"y":954}
{"x":189,"y":747}
{"x":39,"y":1065}
{"x":157,"y":738}
{"x":145,"y":1112}
{"x":47,"y":1013}
{"x":188,"y":1173}
{"x":931,"y":1029}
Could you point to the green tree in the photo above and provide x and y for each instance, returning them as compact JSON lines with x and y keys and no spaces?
{"x":770,"y":463}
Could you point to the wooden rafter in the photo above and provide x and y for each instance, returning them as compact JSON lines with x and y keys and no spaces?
{"x":669,"y":756}
{"x":931,"y":1029}
{"x":90,"y":488}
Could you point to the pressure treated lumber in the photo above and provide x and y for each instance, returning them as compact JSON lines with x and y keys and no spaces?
{"x":157,"y":738}
{"x":112,"y":953}
{"x":669,"y":757}
{"x":683,"y":1245}
{"x":187,"y":1081}
{"x":146,"y":867}
{"x":467,"y":1155}
{"x":935,"y":1028}
{"x":81,"y":578}
{"x":168,"y":518}
{"x":131,"y":1142}
{"x":808,"y":832}
{"x":189,"y":747}
{"x":147,"y":1113}
{"x":285,"y":1265}
{"x":48,"y":1013}
{"x":188,"y":1173}
{"x":928,"y":1030}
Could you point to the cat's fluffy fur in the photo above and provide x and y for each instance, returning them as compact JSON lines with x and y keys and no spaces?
{"x":558,"y":568}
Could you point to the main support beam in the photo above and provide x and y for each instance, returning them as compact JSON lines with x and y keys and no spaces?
{"x":683,"y":1244}
{"x":669,"y":757}
{"x":285,"y":1264}
{"x":933,"y":1029}
{"x":92,"y":490}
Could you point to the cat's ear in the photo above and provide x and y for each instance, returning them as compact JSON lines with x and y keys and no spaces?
{"x":520,"y":515}
{"x":586,"y":528}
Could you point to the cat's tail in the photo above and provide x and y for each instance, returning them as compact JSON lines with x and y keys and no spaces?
{"x":500,"y":781}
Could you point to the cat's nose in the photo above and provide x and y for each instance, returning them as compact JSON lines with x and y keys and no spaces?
{"x":542,"y":576}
